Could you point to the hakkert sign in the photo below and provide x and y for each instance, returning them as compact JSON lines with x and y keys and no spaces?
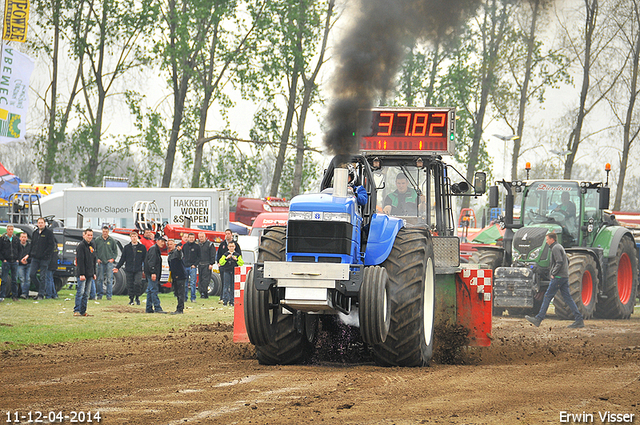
{"x":15,"y":72}
{"x":16,"y":20}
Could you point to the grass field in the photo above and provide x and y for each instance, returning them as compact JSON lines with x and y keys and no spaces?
{"x":27,"y":322}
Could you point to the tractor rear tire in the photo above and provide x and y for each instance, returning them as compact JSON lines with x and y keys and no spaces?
{"x":493,"y":259}
{"x":621,"y":283}
{"x":410,"y":267}
{"x":119,"y":283}
{"x":374,"y":306}
{"x":583,"y":286}
{"x":279,"y":338}
{"x":215,"y":285}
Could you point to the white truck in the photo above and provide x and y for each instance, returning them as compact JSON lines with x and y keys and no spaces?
{"x":206,"y":208}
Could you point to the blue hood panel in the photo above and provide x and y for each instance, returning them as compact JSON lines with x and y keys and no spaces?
{"x":320,"y":202}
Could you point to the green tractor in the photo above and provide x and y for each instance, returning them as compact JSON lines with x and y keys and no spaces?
{"x":603,"y":256}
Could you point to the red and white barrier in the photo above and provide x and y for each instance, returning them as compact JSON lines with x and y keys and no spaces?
{"x":475,"y":305}
{"x":239,"y":328}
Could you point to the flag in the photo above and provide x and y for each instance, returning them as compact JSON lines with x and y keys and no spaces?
{"x":15,"y":72}
{"x":9,"y":183}
{"x":16,"y":20}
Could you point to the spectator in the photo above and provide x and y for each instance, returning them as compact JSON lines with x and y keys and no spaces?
{"x":178,"y":274}
{"x":228,"y":263}
{"x":559,"y":272}
{"x":153,"y":270}
{"x":133,"y":255}
{"x":148,"y":239}
{"x":85,"y":270}
{"x":9,"y":254}
{"x":222,"y":249}
{"x":207,"y":260}
{"x":106,"y":253}
{"x":191,"y":258}
{"x":42,"y":245}
{"x":184,"y":239}
{"x":25,"y":265}
{"x":50,"y":286}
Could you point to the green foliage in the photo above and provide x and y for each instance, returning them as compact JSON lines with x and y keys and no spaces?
{"x":311,"y":172}
{"x":230,"y":167}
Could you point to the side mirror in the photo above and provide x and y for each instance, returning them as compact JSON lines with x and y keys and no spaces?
{"x":604,"y":198}
{"x":494,"y":197}
{"x":480,"y":182}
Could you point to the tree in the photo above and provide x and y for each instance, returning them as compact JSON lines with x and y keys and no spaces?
{"x":530,"y":72}
{"x":309,"y":89}
{"x":188,"y":27}
{"x":281,"y":73}
{"x":110,"y":40}
{"x":593,"y":51}
{"x":628,"y":18}
{"x":492,"y":28}
{"x":226,"y":48}
{"x":52,"y":18}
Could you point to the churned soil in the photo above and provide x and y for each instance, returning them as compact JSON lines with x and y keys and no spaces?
{"x":199,"y":375}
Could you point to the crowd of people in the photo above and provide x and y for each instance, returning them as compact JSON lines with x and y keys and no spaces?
{"x":25,"y":261}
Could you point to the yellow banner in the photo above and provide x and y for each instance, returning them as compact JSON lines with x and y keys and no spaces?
{"x":16,"y":19}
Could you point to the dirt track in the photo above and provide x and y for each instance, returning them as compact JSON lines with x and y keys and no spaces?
{"x":199,"y":375}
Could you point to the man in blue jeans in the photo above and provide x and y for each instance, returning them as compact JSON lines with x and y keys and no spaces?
{"x":43,"y":243}
{"x":25,"y":265}
{"x":106,"y":253}
{"x":10,"y":255}
{"x":559,"y":272}
{"x":153,"y":270}
{"x":191,"y":258}
{"x":86,"y":272}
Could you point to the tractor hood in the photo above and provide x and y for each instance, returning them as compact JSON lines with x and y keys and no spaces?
{"x":529,"y":242}
{"x":322,"y":207}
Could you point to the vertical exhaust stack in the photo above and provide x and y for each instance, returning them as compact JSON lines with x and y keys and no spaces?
{"x":340,"y":176}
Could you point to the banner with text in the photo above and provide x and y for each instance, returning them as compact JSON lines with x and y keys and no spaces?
{"x":196,"y":208}
{"x":15,"y":72}
{"x":16,"y":20}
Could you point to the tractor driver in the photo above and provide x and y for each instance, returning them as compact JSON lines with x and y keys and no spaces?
{"x":568,"y":209}
{"x":404,"y":200}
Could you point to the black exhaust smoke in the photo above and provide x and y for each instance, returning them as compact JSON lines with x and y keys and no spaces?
{"x":371,"y":52}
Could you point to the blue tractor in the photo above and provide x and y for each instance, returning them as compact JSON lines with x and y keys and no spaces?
{"x":374,"y":262}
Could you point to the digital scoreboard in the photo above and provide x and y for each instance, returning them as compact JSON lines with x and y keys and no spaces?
{"x":410,"y":130}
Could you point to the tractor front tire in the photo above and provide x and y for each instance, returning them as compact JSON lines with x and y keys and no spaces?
{"x":411,"y":297}
{"x":621,"y":283}
{"x":373,"y":308}
{"x":279,"y":338}
{"x":583,"y":286}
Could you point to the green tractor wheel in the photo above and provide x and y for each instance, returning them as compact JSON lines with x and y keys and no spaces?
{"x":621,"y":283}
{"x":583,"y":286}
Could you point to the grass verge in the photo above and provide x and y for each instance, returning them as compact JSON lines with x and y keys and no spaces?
{"x":27,"y":322}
